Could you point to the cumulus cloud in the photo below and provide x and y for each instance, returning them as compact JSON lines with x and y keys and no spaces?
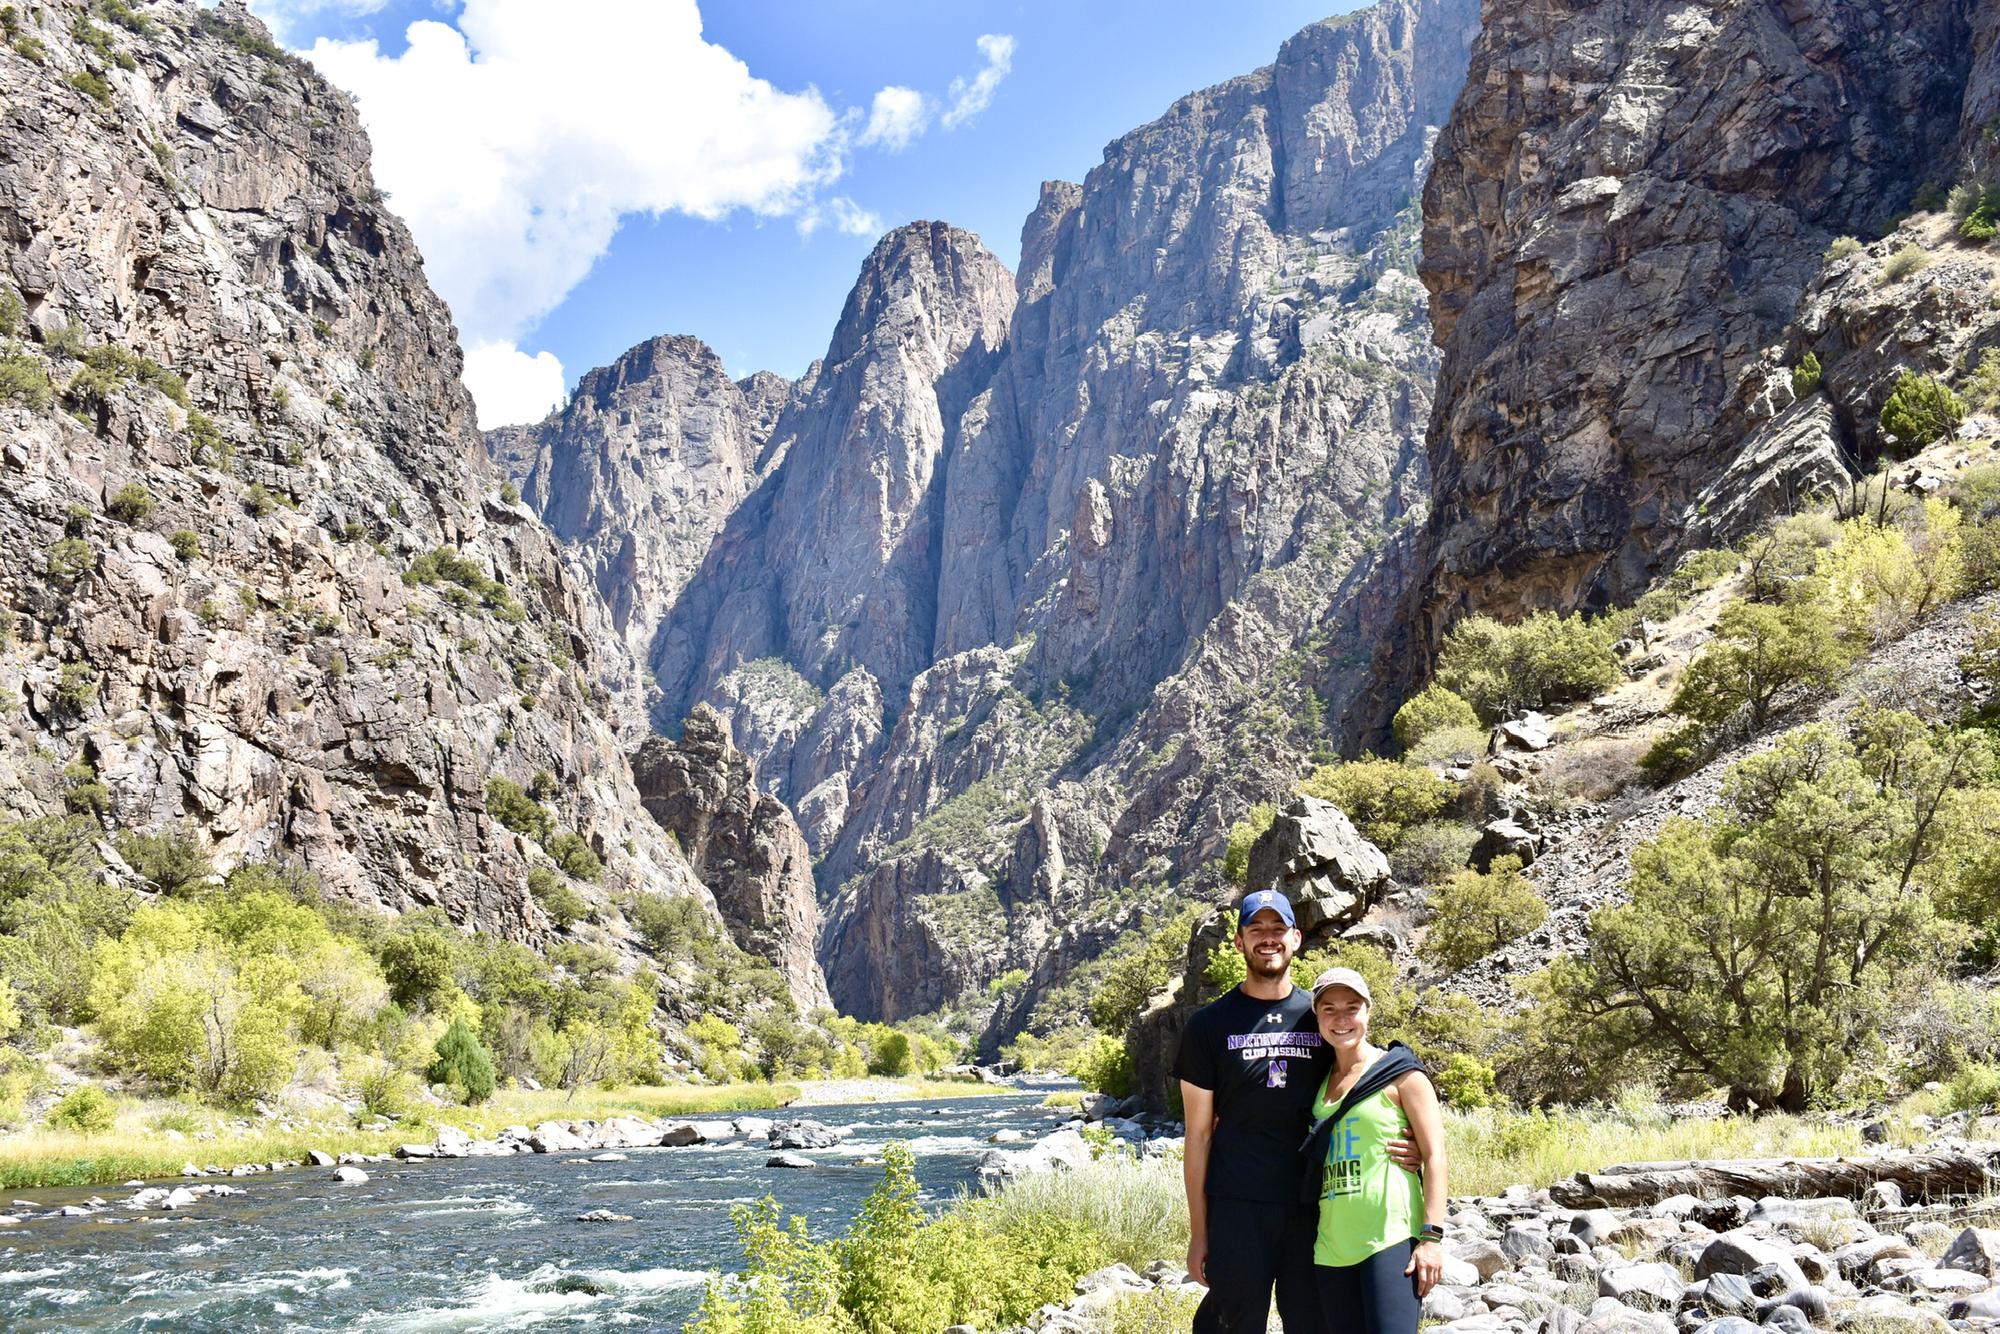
{"x":969,"y":97}
{"x":514,"y":142}
{"x":509,"y":386}
{"x":897,"y":116}
{"x":281,"y":16}
{"x":847,"y":217}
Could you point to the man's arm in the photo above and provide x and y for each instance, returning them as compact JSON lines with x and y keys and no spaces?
{"x":1198,"y":1109}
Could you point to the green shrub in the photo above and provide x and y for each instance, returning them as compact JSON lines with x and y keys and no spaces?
{"x":209,"y":446}
{"x":1805,"y":376}
{"x":1544,"y":660}
{"x":1841,"y":247}
{"x":445,"y":564}
{"x":891,"y":1055}
{"x":575,"y":857}
{"x":1381,"y":797}
{"x":76,"y":689}
{"x":1466,"y":1081}
{"x":1759,"y":652}
{"x":174,"y":859}
{"x":1243,"y":835}
{"x":1430,"y":710}
{"x":1476,"y":914}
{"x":92,"y":85}
{"x":24,"y":380}
{"x":85,"y":1109}
{"x":69,"y":560}
{"x":132,"y":503}
{"x":1429,"y":852}
{"x":1974,"y":1088}
{"x":186,"y":543}
{"x":462,"y":1062}
{"x":1906,"y":262}
{"x":1107,"y":1067}
{"x":258,"y":501}
{"x":563,"y":904}
{"x":1919,"y":411}
{"x":63,"y":341}
{"x":512,"y":807}
{"x":1980,"y":220}
{"x":510,"y":494}
{"x":1451,"y":747}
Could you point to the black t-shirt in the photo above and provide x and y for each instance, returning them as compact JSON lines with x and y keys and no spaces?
{"x":1264,"y":1061}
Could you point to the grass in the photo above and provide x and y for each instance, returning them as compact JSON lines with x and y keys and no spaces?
{"x":1491,"y":1149}
{"x":1138,"y":1207}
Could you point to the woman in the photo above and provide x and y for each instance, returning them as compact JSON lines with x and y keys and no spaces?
{"x":1381,"y":1230}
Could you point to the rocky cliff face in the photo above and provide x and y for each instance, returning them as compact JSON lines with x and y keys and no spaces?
{"x":1625,"y":214}
{"x":1050,"y":576}
{"x":743,"y":844}
{"x":261,"y":577}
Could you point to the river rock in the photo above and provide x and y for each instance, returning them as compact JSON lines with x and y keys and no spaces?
{"x":603,"y":1216}
{"x":1528,"y":732}
{"x":1785,"y":1319}
{"x":609,"y":1158}
{"x":1729,"y":1324}
{"x":803,"y":1135}
{"x":681,"y":1136}
{"x":1975,"y":1250}
{"x":1890,"y":1315}
{"x":1743,"y":1252}
{"x":180,"y":1198}
{"x":1644,"y":1287}
{"x":1522,"y":1241}
{"x":1005,"y":1135}
{"x":1980,"y":1306}
{"x":1483,"y":1256}
{"x":319,"y":1158}
{"x":624,"y":1132}
{"x":752,"y":1127}
{"x":451,"y":1142}
{"x":555,"y":1137}
{"x":350,"y":1176}
{"x":415,"y":1151}
{"x":789,"y":1160}
{"x":1444,"y":1304}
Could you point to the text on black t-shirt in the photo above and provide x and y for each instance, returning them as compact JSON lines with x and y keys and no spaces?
{"x":1264,"y":1061}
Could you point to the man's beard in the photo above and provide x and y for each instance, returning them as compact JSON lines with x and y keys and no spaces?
{"x":1274,"y":965}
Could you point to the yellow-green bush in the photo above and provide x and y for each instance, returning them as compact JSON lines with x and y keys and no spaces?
{"x":1547,"y":659}
{"x":1475,"y":914}
{"x":1382,"y":797}
{"x":1430,"y":710}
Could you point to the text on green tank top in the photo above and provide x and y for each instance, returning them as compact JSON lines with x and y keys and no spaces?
{"x":1366,"y":1202}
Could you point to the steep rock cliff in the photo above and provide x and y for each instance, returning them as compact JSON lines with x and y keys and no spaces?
{"x":742,"y":842}
{"x":261,"y":576}
{"x":1625,"y":212}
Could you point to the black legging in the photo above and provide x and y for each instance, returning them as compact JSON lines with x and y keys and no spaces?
{"x":1373,"y":1297}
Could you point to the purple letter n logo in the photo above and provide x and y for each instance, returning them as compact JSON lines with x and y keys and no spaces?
{"x":1274,"y":1075}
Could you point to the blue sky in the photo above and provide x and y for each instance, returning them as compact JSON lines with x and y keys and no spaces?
{"x":576,"y":193}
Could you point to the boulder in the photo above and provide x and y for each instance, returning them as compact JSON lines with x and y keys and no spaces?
{"x":1883,"y":1314}
{"x":625,"y":1132}
{"x":1524,"y":1240}
{"x":752,"y":1127}
{"x":1313,"y":853}
{"x":555,"y":1137}
{"x":451,"y":1142}
{"x":789,"y":1160}
{"x":1743,"y":1252}
{"x":1728,"y":1294}
{"x":1593,"y":1226}
{"x":180,"y":1198}
{"x":319,"y":1158}
{"x":1980,"y":1306}
{"x":1645,"y":1287}
{"x":415,"y":1151}
{"x":603,"y":1216}
{"x":610,"y":1156}
{"x":1975,"y":1250}
{"x":803,"y":1135}
{"x":1809,"y":1301}
{"x":681,"y":1136}
{"x":714,"y":1132}
{"x":1528,"y":732}
{"x":1779,"y":1209}
{"x":1483,"y":1256}
{"x":1786,"y":1319}
{"x":1444,"y":1304}
{"x":1729,"y":1324}
{"x":350,"y":1176}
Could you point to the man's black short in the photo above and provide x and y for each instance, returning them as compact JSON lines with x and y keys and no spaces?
{"x":1254,"y":1247}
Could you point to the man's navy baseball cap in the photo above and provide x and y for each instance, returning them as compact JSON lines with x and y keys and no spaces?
{"x":1266,"y":898}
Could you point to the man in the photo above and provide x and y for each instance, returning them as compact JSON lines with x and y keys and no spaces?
{"x":1249,"y":1067}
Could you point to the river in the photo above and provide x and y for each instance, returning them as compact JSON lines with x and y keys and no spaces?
{"x":469,"y":1243}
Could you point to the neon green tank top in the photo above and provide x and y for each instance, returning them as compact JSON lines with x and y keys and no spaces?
{"x":1366,"y":1202}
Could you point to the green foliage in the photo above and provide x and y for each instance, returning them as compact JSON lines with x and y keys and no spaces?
{"x":174,"y":860}
{"x":1007,"y":983}
{"x":1463,"y":1080}
{"x":1475,"y":914}
{"x":1841,"y":247}
{"x":11,"y":312}
{"x":1544,"y":660}
{"x":209,"y":446}
{"x":510,"y":494}
{"x":132,"y":503}
{"x":1919,"y":411}
{"x":1805,"y":376}
{"x":891,"y":1055}
{"x":562,"y":903}
{"x":1978,"y":212}
{"x":575,"y":857}
{"x":1976,"y":1088}
{"x":1757,"y":943}
{"x":54,"y":907}
{"x":259,"y":501}
{"x":1431,"y":710}
{"x":1758,"y":653}
{"x":720,"y":1045}
{"x":1139,"y":969}
{"x":85,"y":1109}
{"x":1911,"y":259}
{"x":508,"y":804}
{"x":186,"y":544}
{"x":446,"y":565}
{"x":462,"y":1062}
{"x":63,"y":341}
{"x":1106,"y":1066}
{"x":1431,"y":851}
{"x":1382,"y":797}
{"x":213,"y":24}
{"x":24,"y":380}
{"x":1880,"y":579}
{"x":76,"y":689}
{"x":1243,"y":835}
{"x":1982,"y":387}
{"x":70,"y":559}
{"x":92,"y":85}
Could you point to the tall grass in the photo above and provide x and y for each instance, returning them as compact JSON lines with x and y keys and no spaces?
{"x":1138,"y":1207}
{"x":1492,"y":1148}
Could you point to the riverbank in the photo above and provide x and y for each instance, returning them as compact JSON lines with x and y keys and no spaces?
{"x":153,"y":1139}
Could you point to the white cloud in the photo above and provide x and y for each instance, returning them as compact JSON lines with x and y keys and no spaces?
{"x":515,"y":142}
{"x":511,"y":387}
{"x":970,"y":97}
{"x":280,"y":15}
{"x":848,"y":218}
{"x":897,"y":116}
